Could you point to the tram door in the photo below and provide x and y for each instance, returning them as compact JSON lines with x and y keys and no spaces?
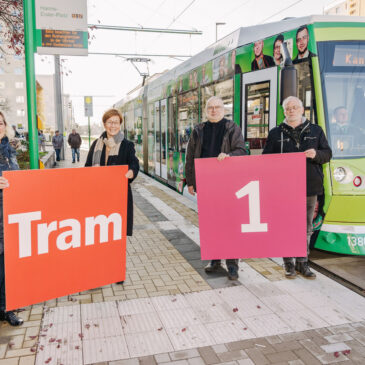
{"x":259,"y":95}
{"x":161,"y":139}
{"x":157,"y":152}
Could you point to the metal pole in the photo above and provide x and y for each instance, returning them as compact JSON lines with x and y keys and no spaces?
{"x":58,"y":97}
{"x":88,"y":124}
{"x":29,"y":25}
{"x":137,"y":54}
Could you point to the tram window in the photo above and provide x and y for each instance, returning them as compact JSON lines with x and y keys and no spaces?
{"x":257,"y":114}
{"x":129,"y":123}
{"x":188,"y":108}
{"x":163,"y":131}
{"x":304,"y":89}
{"x":222,"y":89}
{"x":138,"y":134}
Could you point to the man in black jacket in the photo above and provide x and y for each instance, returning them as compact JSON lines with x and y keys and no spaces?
{"x":74,"y":140}
{"x":297,"y":134}
{"x":217,"y":137}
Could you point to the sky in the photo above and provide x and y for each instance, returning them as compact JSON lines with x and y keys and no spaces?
{"x":109,"y":78}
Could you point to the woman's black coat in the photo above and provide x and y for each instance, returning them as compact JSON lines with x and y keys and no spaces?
{"x":126,"y":156}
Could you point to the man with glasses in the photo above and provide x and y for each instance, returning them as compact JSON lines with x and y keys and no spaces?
{"x":297,"y":134}
{"x":302,"y":39}
{"x":217,"y":137}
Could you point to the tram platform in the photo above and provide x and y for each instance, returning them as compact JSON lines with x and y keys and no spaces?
{"x":169,"y":311}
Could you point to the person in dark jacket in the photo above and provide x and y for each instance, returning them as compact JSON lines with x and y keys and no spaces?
{"x":217,"y":137}
{"x":297,"y":134}
{"x":74,"y":140}
{"x":7,"y":162}
{"x":57,"y":142}
{"x":111,"y":148}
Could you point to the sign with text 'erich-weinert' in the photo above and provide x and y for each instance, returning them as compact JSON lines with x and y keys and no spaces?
{"x":252,"y":206}
{"x":65,"y":232}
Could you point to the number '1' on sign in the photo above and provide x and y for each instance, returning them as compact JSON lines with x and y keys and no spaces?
{"x":252,"y":189}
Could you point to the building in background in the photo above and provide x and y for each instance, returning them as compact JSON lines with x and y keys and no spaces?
{"x":346,"y":7}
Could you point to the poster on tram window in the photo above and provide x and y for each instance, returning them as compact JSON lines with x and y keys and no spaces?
{"x":252,"y":206}
{"x":65,"y":232}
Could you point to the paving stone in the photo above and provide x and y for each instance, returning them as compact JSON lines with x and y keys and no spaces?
{"x":147,"y":360}
{"x":162,"y":358}
{"x":281,"y":356}
{"x":219,"y":348}
{"x":27,"y":360}
{"x":232,"y":355}
{"x":257,"y":357}
{"x":287,"y":346}
{"x":13,"y":361}
{"x":208,"y":355}
{"x":307,"y":357}
{"x":134,"y":361}
{"x":182,"y":355}
{"x":196,"y":361}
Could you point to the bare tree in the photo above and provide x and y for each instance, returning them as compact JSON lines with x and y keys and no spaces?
{"x":11,"y":18}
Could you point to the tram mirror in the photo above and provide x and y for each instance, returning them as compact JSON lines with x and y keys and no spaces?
{"x":288,"y":77}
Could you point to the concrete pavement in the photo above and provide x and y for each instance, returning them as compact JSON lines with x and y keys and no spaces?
{"x":169,"y":311}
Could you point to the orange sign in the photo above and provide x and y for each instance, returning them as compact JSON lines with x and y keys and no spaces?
{"x":65,"y":232}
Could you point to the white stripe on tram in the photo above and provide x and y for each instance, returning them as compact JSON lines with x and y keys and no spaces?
{"x":342,"y":228}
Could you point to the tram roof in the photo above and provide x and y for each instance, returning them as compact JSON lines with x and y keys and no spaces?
{"x":238,"y":38}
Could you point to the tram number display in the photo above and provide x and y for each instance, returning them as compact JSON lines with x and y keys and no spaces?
{"x":252,"y":206}
{"x":354,"y":241}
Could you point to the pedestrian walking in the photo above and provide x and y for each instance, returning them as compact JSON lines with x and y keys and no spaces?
{"x":297,"y":134}
{"x":111,"y":148}
{"x":217,"y":137}
{"x":7,"y":162}
{"x":57,"y":142}
{"x":74,"y":140}
{"x":41,"y":141}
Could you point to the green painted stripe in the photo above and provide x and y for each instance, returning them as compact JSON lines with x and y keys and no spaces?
{"x":349,"y":244}
{"x":339,"y":34}
{"x":338,"y":24}
{"x":237,"y":99}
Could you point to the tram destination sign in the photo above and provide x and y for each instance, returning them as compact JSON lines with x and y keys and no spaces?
{"x":61,"y":27}
{"x":349,"y":55}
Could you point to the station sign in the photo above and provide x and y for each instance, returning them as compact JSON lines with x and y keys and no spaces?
{"x":252,"y":206}
{"x":61,"y":27}
{"x":65,"y":237}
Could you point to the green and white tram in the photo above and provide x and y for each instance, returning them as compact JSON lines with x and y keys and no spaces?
{"x":244,"y":68}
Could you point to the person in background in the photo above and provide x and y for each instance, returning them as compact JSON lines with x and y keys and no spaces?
{"x":74,"y":140}
{"x":57,"y":142}
{"x":41,"y":141}
{"x":297,"y":134}
{"x":217,"y":137}
{"x":16,"y":133}
{"x":7,"y":162}
{"x":110,"y":149}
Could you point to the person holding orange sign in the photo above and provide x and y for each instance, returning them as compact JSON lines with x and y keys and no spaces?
{"x":111,"y":149}
{"x":7,"y":162}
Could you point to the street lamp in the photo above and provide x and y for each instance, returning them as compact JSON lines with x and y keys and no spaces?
{"x":216,"y":29}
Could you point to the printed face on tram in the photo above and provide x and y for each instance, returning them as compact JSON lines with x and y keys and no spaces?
{"x":112,"y":125}
{"x":259,"y":45}
{"x":277,"y":52}
{"x":215,"y":110}
{"x":293,"y":111}
{"x":302,"y":41}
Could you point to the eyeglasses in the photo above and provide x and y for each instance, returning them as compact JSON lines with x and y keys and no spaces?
{"x":210,"y":108}
{"x":109,"y":124}
{"x":302,"y":38}
{"x":290,"y":108}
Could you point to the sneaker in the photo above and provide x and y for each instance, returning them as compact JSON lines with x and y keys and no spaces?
{"x":232,"y":273}
{"x":212,"y":266}
{"x":120,"y":282}
{"x":303,"y":269}
{"x":73,"y":161}
{"x":290,"y":272}
{"x":11,"y":318}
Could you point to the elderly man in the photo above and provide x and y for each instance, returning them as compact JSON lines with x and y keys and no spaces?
{"x":297,"y":134}
{"x":217,"y":137}
{"x":74,"y":140}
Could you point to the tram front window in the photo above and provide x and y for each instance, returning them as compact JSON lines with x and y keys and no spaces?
{"x":344,"y":93}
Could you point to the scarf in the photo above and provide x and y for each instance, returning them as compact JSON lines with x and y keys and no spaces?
{"x":112,"y":143}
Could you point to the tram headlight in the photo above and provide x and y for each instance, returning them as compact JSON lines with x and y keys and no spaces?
{"x":339,"y":174}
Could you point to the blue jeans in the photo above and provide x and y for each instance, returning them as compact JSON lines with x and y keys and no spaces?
{"x":58,"y":154}
{"x":75,"y":151}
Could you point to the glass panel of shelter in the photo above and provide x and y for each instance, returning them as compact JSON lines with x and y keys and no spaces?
{"x":157,"y":154}
{"x":171,"y":140}
{"x":151,"y":138}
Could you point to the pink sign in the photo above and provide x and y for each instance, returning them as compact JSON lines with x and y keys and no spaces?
{"x":252,"y":206}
